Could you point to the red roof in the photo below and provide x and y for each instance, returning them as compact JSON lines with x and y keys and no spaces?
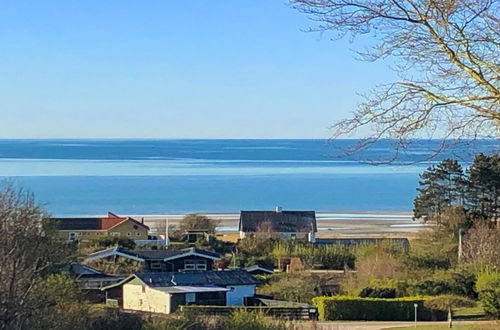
{"x":106,"y":223}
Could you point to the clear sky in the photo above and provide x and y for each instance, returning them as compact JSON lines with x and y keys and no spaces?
{"x":172,"y":69}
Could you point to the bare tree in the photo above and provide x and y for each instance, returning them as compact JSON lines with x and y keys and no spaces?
{"x":447,"y":55}
{"x":265,"y":230}
{"x":480,"y":246}
{"x":29,"y":249}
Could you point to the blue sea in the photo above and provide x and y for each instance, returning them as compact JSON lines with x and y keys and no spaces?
{"x":89,"y":177}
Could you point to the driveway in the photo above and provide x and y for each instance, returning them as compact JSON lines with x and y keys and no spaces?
{"x":385,"y":325}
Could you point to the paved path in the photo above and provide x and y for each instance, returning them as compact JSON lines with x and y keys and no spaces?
{"x":386,"y":325}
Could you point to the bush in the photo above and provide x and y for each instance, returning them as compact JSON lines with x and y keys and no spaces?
{"x":374,"y":309}
{"x":488,"y":286}
{"x":378,"y":293}
{"x":295,"y":288}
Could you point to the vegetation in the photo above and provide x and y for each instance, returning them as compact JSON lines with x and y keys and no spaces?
{"x":29,"y":251}
{"x":445,"y":186}
{"x":291,"y":287}
{"x":196,"y":221}
{"x":374,"y":309}
{"x":488,"y":286}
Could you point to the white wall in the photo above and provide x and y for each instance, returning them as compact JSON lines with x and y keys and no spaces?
{"x":236,"y":296}
{"x":149,"y":301}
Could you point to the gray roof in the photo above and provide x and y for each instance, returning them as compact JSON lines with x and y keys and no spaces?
{"x":214,"y":277}
{"x":195,"y":278}
{"x":152,"y":254}
{"x":282,"y":222}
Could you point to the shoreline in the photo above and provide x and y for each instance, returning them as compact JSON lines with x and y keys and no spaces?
{"x":330,"y":224}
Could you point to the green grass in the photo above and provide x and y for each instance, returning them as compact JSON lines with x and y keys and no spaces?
{"x":471,"y":313}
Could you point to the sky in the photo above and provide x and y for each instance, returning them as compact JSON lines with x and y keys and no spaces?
{"x":173,"y":69}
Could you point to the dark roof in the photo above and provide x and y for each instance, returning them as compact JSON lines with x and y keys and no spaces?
{"x":94,"y":223}
{"x":282,"y":221}
{"x":152,"y":254}
{"x":213,"y":277}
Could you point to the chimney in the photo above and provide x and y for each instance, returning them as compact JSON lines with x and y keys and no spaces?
{"x":142,"y":220}
{"x":278,"y":209}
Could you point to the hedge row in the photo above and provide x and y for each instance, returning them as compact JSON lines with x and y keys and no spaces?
{"x":375,"y":309}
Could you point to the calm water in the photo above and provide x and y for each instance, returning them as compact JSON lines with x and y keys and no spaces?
{"x":77,"y":177}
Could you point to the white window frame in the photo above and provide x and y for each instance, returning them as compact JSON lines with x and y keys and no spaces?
{"x":195,"y":264}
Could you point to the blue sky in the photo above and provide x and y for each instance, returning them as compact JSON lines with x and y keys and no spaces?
{"x":172,"y":69}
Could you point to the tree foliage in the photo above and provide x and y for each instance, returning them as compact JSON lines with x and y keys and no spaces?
{"x":483,"y":193}
{"x":441,"y":187}
{"x":446,"y":58}
{"x":488,"y":286}
{"x":445,"y":186}
{"x":198,"y":222}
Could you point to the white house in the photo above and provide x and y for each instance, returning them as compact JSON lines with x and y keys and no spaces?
{"x":164,"y":292}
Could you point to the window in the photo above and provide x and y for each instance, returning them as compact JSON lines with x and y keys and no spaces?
{"x":195,"y":265}
{"x":190,"y":297}
{"x":140,"y":302}
{"x":72,"y":237}
{"x":138,"y":234}
{"x":155,"y":265}
{"x":293,"y":236}
{"x":189,"y":265}
{"x":129,"y":234}
{"x":143,"y":290}
{"x":201,"y":265}
{"x":115,"y":233}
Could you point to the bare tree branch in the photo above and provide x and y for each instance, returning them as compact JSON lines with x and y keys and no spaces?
{"x":448,"y":60}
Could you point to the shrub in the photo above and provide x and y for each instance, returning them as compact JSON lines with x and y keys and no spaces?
{"x":244,"y":320}
{"x":488,"y":286}
{"x":378,"y":292}
{"x":293,"y":288}
{"x":374,"y":309}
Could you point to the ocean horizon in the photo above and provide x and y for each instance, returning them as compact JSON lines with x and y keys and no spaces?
{"x":176,"y":176}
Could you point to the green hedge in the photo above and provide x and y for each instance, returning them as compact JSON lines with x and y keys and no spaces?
{"x":375,"y":309}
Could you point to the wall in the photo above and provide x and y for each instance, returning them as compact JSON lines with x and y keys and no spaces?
{"x":151,"y":300}
{"x":236,"y":297}
{"x":127,"y":227}
{"x":81,"y":235}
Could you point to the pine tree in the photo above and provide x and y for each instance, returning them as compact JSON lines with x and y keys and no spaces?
{"x":441,"y":186}
{"x":483,"y":191}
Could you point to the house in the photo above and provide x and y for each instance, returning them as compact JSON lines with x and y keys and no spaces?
{"x":287,"y":224}
{"x":89,"y":280}
{"x":190,"y":259}
{"x":164,"y":292}
{"x":259,"y":270}
{"x":84,"y":229}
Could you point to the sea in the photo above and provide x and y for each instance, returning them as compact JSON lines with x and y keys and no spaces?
{"x":76,"y":177}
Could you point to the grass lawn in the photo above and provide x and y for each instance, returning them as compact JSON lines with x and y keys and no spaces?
{"x":457,"y":326}
{"x":472,"y":313}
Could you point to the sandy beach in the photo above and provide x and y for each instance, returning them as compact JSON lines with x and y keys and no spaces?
{"x":330,"y":224}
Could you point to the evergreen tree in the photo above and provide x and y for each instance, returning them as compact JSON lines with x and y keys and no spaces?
{"x":441,"y":186}
{"x":483,"y":193}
